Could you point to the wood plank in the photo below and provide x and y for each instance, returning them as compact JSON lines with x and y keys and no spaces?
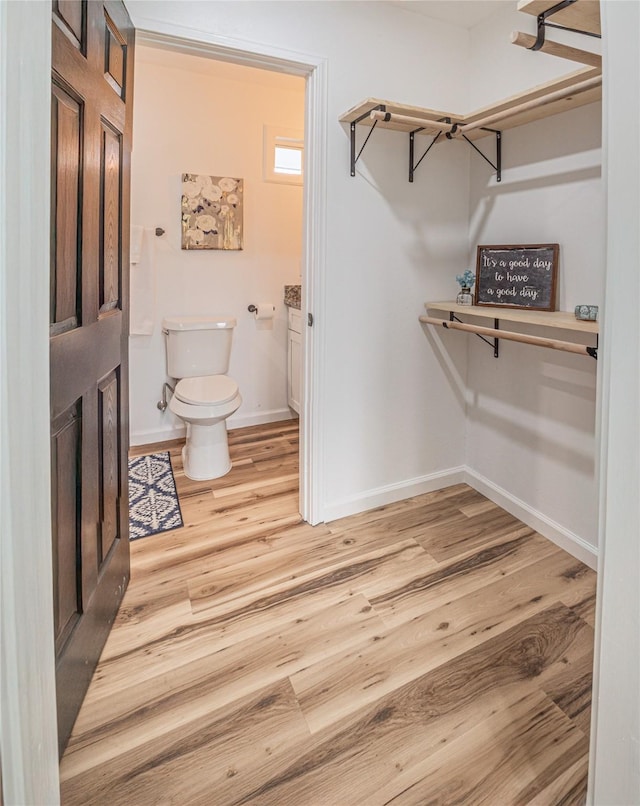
{"x":458,"y":535}
{"x":169,"y":768}
{"x":390,"y":659}
{"x":570,"y":690}
{"x":583,"y":14}
{"x":219,"y":677}
{"x":490,"y":763}
{"x":569,"y":788}
{"x":404,"y":728}
{"x":534,"y":558}
{"x":564,"y":320}
{"x":369,"y":104}
{"x":378,"y":569}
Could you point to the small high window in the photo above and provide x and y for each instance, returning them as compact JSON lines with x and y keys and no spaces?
{"x":283,"y":155}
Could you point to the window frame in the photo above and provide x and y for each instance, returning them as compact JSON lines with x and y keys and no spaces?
{"x":274,"y":136}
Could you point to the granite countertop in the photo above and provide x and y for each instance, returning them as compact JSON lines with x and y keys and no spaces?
{"x":292,"y":295}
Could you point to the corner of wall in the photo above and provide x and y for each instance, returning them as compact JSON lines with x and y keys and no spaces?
{"x":547,"y":527}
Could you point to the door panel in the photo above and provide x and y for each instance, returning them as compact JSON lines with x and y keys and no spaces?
{"x":110,"y":236}
{"x":71,"y":17}
{"x":91,"y":144}
{"x":109,"y":487}
{"x":115,"y":57}
{"x":66,"y":149}
{"x":66,"y":472}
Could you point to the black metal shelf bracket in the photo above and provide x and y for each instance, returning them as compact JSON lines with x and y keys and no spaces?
{"x":593,"y":351}
{"x":543,"y":24}
{"x":355,"y":157}
{"x":497,"y":166}
{"x":495,"y":344}
{"x":413,"y":167}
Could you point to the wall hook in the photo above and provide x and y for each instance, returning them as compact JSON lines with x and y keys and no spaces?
{"x":159,"y":231}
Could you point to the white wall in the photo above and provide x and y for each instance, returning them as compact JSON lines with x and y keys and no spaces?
{"x":393,"y":416}
{"x":196,"y":115}
{"x":501,"y":69}
{"x":531,"y":421}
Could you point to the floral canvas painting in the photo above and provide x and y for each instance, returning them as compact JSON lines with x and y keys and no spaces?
{"x":211,"y":212}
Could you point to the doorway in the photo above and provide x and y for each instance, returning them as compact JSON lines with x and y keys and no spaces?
{"x":207,"y":134}
{"x":310,"y":270}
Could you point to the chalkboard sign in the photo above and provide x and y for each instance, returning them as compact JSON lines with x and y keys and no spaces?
{"x":517,"y":276}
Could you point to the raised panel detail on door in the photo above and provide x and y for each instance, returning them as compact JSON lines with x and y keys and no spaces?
{"x":88,"y":343}
{"x":109,"y":437}
{"x":115,"y":56}
{"x":66,"y":178}
{"x":65,"y":510}
{"x":110,"y":219}
{"x":71,"y":16}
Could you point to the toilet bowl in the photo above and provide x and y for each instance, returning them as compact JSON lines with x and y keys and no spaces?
{"x":204,"y":403}
{"x":198,"y":351}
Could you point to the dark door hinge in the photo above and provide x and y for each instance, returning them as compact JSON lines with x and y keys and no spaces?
{"x":310,"y":319}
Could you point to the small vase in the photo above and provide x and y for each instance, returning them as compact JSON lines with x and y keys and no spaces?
{"x":464,"y":297}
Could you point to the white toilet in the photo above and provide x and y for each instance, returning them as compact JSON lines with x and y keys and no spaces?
{"x":198,"y":351}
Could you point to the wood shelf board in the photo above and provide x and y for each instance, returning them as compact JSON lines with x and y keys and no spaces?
{"x":518,"y":119}
{"x":369,"y":104}
{"x":539,"y":92}
{"x":583,"y":14}
{"x":565,"y":320}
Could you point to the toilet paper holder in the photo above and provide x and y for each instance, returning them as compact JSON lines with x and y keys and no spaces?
{"x":252,"y":308}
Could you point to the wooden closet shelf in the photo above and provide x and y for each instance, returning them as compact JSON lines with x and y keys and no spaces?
{"x":565,"y":320}
{"x":584,"y":86}
{"x":542,"y":319}
{"x":583,"y":15}
{"x":545,"y":97}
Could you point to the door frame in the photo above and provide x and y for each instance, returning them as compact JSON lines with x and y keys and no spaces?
{"x":314,"y":70}
{"x":28,"y":736}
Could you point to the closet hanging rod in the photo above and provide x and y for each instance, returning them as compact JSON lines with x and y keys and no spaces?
{"x":493,"y":333}
{"x":557,"y":49}
{"x":496,"y":117}
{"x":407,"y":120}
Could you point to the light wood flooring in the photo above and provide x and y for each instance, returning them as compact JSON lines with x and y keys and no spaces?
{"x":434,"y":651}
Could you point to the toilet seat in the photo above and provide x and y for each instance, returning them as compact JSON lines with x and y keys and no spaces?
{"x":206,"y":390}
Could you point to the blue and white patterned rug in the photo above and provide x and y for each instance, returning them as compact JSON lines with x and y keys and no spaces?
{"x":153,"y":501}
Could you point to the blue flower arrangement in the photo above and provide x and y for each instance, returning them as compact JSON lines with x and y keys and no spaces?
{"x":467,"y":279}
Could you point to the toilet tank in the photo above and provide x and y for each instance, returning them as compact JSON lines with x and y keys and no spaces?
{"x":198,"y":345}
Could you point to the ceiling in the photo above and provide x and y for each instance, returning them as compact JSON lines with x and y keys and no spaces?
{"x":464,"y":13}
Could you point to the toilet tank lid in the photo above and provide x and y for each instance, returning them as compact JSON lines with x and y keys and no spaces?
{"x":198,"y":322}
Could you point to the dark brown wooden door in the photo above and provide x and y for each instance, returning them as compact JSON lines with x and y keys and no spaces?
{"x":92,"y":82}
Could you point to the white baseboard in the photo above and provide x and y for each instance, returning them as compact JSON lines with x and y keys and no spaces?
{"x":241,"y":420}
{"x":237,"y":421}
{"x":564,"y":538}
{"x":157,"y":435}
{"x":391,"y":493}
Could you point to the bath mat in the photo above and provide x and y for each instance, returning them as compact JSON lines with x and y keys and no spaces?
{"x":153,"y":501}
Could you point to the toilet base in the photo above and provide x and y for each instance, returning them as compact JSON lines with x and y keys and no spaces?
{"x":206,"y":452}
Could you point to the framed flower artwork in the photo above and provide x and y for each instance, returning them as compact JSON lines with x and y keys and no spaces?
{"x":211,"y":212}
